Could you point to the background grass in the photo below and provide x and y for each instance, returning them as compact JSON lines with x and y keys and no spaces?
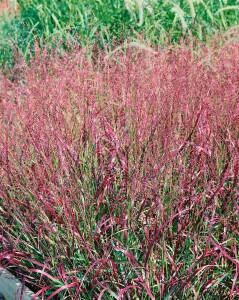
{"x":108,"y":22}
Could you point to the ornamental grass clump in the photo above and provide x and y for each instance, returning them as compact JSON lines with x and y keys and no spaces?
{"x":119,"y":180}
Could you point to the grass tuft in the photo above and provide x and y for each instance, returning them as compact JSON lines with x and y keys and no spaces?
{"x":119,"y":178}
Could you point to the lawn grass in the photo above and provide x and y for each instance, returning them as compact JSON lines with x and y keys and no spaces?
{"x":119,"y":177}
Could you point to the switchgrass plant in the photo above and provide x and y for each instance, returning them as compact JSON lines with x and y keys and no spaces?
{"x":90,"y":22}
{"x":119,"y":180}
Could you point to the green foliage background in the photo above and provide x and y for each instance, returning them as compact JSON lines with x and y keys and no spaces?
{"x":106,"y":21}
